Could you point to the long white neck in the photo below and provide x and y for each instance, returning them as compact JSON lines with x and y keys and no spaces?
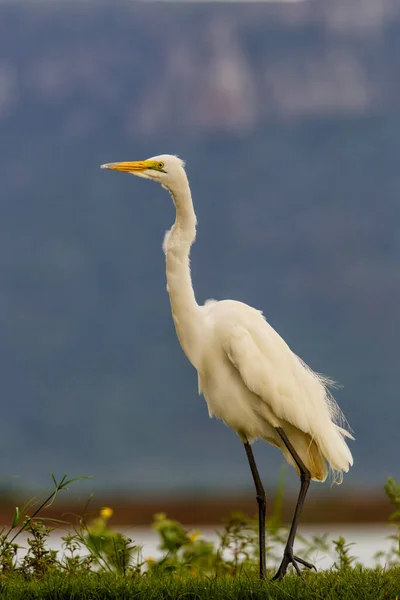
{"x":186,"y":313}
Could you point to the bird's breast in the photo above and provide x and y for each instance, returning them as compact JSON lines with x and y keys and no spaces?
{"x":229,"y":399}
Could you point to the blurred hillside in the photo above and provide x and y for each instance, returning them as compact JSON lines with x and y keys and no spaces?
{"x":288,"y":117}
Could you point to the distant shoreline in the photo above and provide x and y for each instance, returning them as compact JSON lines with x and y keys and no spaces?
{"x":211,"y":509}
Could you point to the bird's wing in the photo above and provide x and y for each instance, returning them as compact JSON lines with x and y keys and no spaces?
{"x":274,"y":373}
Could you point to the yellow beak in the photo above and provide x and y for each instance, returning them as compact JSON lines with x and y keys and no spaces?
{"x":126,"y":167}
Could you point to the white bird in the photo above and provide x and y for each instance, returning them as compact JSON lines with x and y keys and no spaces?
{"x":248,"y":375}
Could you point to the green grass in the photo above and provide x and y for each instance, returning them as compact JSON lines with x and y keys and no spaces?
{"x":99,"y":562}
{"x":351,"y":584}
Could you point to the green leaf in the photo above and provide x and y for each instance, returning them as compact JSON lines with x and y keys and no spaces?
{"x":16,"y":518}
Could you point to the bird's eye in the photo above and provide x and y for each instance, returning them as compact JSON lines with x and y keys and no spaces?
{"x":160,"y":165}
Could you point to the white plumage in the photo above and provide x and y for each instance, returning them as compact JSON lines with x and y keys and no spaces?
{"x":247,"y":373}
{"x":253,"y":382}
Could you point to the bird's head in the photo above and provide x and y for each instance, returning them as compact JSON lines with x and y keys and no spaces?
{"x":166,"y":169}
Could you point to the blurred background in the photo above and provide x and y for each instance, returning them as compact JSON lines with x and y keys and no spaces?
{"x":287,"y":114}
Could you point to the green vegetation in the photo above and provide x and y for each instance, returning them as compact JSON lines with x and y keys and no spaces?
{"x":356,"y":584}
{"x":99,"y":562}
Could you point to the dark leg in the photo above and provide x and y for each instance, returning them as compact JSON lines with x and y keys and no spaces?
{"x":305,"y":478}
{"x":261,"y":500}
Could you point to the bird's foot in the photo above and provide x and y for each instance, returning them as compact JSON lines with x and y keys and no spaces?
{"x":290,"y":559}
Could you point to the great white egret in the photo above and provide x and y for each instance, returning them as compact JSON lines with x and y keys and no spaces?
{"x":248,"y":375}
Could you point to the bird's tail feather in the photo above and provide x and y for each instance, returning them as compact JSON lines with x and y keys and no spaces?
{"x":308,"y":451}
{"x":329,"y":454}
{"x":336,"y":452}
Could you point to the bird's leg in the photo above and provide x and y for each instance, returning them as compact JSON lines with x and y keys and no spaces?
{"x":305,"y":478}
{"x":262,"y":502}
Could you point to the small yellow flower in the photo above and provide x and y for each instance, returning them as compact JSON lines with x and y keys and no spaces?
{"x":106,"y":512}
{"x":193,"y":536}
